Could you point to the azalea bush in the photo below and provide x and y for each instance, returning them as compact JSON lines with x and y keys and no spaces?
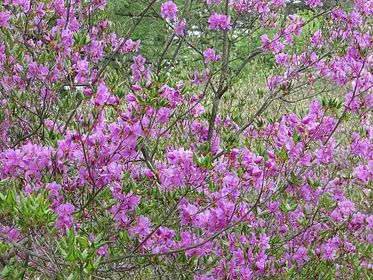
{"x":114,"y":165}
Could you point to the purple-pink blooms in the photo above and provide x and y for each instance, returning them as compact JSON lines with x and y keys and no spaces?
{"x":4,"y":18}
{"x":65,"y":218}
{"x":102,"y":151}
{"x":169,"y":10}
{"x":179,"y":27}
{"x":104,"y":97}
{"x":210,"y":55}
{"x":273,"y":45}
{"x":82,"y":67}
{"x":314,"y":3}
{"x":219,"y":22}
{"x":103,"y":251}
{"x":300,"y":255}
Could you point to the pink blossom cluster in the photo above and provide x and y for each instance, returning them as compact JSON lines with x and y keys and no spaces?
{"x":129,"y":177}
{"x":220,"y":22}
{"x":169,"y":11}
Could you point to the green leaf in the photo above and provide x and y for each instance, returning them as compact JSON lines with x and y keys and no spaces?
{"x":6,"y":271}
{"x":206,"y":161}
{"x":276,"y":239}
{"x":292,"y":207}
{"x":97,"y":263}
{"x":100,"y":244}
{"x":283,"y":154}
{"x":98,"y":239}
{"x":4,"y":182}
{"x":10,"y":198}
{"x":18,"y":274}
{"x":84,"y":255}
{"x":296,"y":137}
{"x":83,"y":242}
{"x":71,"y":242}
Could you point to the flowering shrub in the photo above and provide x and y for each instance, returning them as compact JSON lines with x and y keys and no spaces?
{"x":113,"y":167}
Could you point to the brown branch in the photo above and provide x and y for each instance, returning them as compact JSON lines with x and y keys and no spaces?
{"x":129,"y":33}
{"x":19,"y":247}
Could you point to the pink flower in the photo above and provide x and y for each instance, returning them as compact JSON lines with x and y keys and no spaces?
{"x":99,"y":4}
{"x":82,"y":67}
{"x":139,"y":63}
{"x":64,"y":218}
{"x":173,"y":177}
{"x":281,"y":58}
{"x":305,"y":160}
{"x":300,"y":255}
{"x":102,"y":95}
{"x":205,"y":75}
{"x":266,"y":42}
{"x":53,"y":188}
{"x":314,"y":3}
{"x":271,"y":45}
{"x":32,"y":70}
{"x":261,"y":262}
{"x":173,"y":157}
{"x":67,"y":38}
{"x":188,"y":213}
{"x":10,"y":232}
{"x":369,"y":220}
{"x":264,"y":241}
{"x":196,"y":79}
{"x":142,"y":227}
{"x":138,"y":69}
{"x":103,"y":251}
{"x":325,"y":153}
{"x":4,"y":17}
{"x":219,"y":21}
{"x":169,"y":10}
{"x":96,"y":50}
{"x":179,"y":27}
{"x":329,"y":253}
{"x":210,"y":55}
{"x":274,"y":81}
{"x":129,"y":45}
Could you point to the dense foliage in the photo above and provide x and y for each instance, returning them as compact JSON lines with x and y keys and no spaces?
{"x":195,"y":139}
